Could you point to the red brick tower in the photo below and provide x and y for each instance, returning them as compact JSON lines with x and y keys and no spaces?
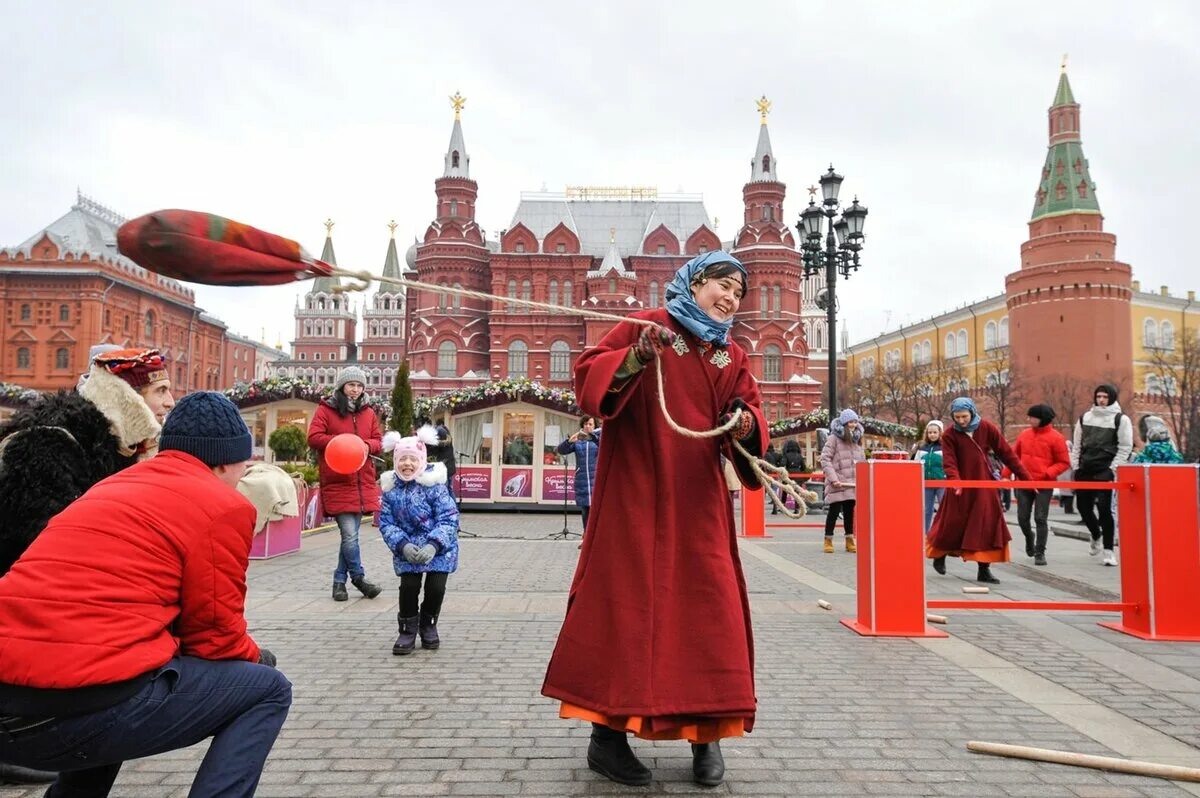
{"x":1069,"y":304}
{"x":448,"y":336}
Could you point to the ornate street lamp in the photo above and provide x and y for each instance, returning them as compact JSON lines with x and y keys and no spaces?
{"x":843,"y":241}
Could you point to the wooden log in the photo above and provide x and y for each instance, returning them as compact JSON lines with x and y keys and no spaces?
{"x":935,"y":618}
{"x":977,"y":590}
{"x":823,"y":604}
{"x":1132,"y":766}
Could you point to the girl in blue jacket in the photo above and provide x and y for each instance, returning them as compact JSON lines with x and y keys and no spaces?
{"x":419,"y":523}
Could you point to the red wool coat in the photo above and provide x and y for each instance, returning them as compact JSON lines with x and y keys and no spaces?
{"x":149,"y":563}
{"x":346,"y":493}
{"x":1043,"y":452}
{"x":974,"y":520}
{"x":658,"y":620}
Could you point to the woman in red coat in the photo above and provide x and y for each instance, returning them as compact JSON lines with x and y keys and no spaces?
{"x":970,"y":522}
{"x":656,"y":639}
{"x":1043,"y":451}
{"x":347,"y":497}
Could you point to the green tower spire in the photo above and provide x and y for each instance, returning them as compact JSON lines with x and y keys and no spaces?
{"x":325,"y":285}
{"x":1066,"y":185}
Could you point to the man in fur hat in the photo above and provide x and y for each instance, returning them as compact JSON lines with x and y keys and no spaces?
{"x":53,"y":452}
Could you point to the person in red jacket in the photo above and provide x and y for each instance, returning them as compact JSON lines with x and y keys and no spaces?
{"x":347,"y":497}
{"x":122,"y":625}
{"x":1043,"y":452}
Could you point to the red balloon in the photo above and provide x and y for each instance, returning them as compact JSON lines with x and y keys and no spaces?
{"x":346,"y":453}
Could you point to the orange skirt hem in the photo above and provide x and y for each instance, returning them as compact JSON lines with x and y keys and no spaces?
{"x":988,"y":555}
{"x":696,"y":729}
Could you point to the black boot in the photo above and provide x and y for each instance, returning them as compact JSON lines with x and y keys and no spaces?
{"x":939,"y":565}
{"x":428,"y":631}
{"x":708,"y":766}
{"x":339,"y":591}
{"x":1039,"y":547}
{"x":609,"y":755}
{"x":368,"y":589}
{"x":985,"y":574}
{"x":407,"y":641}
{"x":15,"y":774}
{"x":1029,"y":547}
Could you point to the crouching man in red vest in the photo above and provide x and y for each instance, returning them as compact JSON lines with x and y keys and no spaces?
{"x":122,"y":628}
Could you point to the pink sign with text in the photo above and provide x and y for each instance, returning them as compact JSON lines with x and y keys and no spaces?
{"x":473,"y":482}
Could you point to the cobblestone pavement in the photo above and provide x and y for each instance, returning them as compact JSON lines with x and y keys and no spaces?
{"x":839,"y":714}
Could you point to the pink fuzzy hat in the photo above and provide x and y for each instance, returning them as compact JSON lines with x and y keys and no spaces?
{"x":413,"y":446}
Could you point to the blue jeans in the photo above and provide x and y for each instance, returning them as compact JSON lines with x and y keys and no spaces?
{"x":241,"y":705}
{"x":349,"y":556}
{"x":933,"y":496}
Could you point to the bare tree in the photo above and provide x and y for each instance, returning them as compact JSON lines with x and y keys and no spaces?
{"x":895,"y":385}
{"x":1066,"y":393}
{"x":1003,"y":387}
{"x":1175,"y":373}
{"x":863,"y":393}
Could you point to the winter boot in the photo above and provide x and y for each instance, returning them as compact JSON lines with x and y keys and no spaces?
{"x":368,"y":589}
{"x":609,"y":755}
{"x":985,"y":574}
{"x":939,"y":565}
{"x":1029,"y":547}
{"x":429,"y":632}
{"x":851,"y":546}
{"x":708,"y":766}
{"x":828,"y":547}
{"x":339,"y":591}
{"x":407,"y":641}
{"x":15,"y":774}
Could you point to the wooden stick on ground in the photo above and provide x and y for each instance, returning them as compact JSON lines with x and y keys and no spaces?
{"x":823,"y":604}
{"x":977,"y":590}
{"x":1133,"y":766}
{"x":935,"y":618}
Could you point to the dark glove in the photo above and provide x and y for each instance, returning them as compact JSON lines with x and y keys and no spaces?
{"x":745,"y":425}
{"x":651,"y":342}
{"x":426,"y":554}
{"x":265,"y":657}
{"x":411,"y":553}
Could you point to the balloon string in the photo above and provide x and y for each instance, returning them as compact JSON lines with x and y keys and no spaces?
{"x":771,"y":477}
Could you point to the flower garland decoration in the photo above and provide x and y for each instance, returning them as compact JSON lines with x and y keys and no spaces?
{"x":13,"y":395}
{"x":512,"y":389}
{"x":819,"y":419}
{"x":278,"y":388}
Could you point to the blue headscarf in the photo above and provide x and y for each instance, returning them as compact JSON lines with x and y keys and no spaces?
{"x":682,"y":305}
{"x":964,"y":403}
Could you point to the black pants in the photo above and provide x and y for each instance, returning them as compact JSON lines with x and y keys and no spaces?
{"x":410,"y":591}
{"x":1037,"y":501}
{"x":584,"y":510}
{"x":1096,"y":508}
{"x":1068,"y":503}
{"x":846,"y":508}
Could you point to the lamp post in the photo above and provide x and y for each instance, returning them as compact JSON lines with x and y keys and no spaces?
{"x":843,"y":242}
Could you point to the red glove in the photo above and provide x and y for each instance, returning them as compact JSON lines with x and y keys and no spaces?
{"x":651,"y":342}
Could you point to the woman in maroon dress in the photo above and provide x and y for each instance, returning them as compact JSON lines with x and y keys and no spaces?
{"x":656,"y":639}
{"x":970,"y":523}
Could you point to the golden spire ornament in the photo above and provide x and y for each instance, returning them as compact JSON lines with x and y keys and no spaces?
{"x":392,"y":227}
{"x":329,"y":227}
{"x":458,"y":101}
{"x":1064,"y":62}
{"x":764,"y":107}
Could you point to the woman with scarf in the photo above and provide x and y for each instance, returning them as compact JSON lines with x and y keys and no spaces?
{"x":656,"y":639}
{"x":841,"y":451}
{"x":970,"y":522}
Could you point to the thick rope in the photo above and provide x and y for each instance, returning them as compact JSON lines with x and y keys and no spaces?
{"x":769,"y":476}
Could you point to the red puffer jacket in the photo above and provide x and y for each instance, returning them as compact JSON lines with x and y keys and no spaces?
{"x":1043,"y":452}
{"x":346,"y":493}
{"x":149,"y":563}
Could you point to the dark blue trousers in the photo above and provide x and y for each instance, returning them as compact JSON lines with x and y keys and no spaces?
{"x":240,"y":705}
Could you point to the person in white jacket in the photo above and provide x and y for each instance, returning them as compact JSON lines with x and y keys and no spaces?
{"x":1103,"y":440}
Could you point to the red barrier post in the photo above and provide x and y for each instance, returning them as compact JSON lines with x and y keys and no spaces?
{"x":753,"y":513}
{"x":889,"y":528}
{"x":1160,"y":552}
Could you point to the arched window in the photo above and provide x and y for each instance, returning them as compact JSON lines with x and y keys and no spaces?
{"x":512,"y":291}
{"x":1153,"y":385}
{"x":766,"y":213}
{"x":552,"y":292}
{"x":916,"y":354}
{"x":518,"y":359}
{"x":926,"y":351}
{"x":374,"y":329}
{"x":329,"y":328}
{"x":766,"y":163}
{"x":62,"y":358}
{"x":808,"y":334}
{"x":454,"y":159}
{"x":763,"y":300}
{"x":990,"y":335}
{"x":772,"y":363}
{"x":1150,"y":334}
{"x":23,"y":358}
{"x":64,"y":313}
{"x":566,"y":297}
{"x":962,"y":343}
{"x":454,"y":207}
{"x":457,"y":297}
{"x":560,"y":360}
{"x":1004,"y":331}
{"x":26,"y":312}
{"x":396,"y":329}
{"x":818,"y":336}
{"x":526,"y":290}
{"x":441,"y":298}
{"x":951,"y":347}
{"x":321,"y":303}
{"x":1166,"y":334}
{"x":776,"y":299}
{"x":653,"y":293}
{"x":447,"y":359}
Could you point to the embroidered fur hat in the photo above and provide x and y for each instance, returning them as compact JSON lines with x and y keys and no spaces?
{"x":138,"y":367}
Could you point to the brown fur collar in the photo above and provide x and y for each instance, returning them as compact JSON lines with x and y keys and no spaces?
{"x":129,"y":417}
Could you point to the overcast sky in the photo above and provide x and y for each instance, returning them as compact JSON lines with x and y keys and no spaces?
{"x":282,"y":114}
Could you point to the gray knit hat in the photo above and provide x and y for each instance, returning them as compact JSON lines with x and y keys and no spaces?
{"x":209,"y":427}
{"x":351,"y":374}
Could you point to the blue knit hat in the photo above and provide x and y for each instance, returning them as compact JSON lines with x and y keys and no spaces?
{"x":209,"y":427}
